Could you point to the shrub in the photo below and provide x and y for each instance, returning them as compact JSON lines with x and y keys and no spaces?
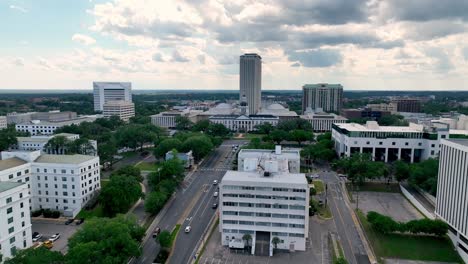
{"x":55,"y":214}
{"x":162,"y":256}
{"x":36,"y":213}
{"x":313,"y":191}
{"x":382,"y":223}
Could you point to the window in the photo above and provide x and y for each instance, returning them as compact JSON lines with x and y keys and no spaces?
{"x":443,"y":136}
{"x":22,"y":214}
{"x":230,"y":213}
{"x":55,"y":178}
{"x":393,"y":143}
{"x":39,"y":185}
{"x":230,"y":222}
{"x":45,"y":170}
{"x":10,"y":220}
{"x":380,"y":143}
{"x":279,"y":225}
{"x":246,"y":223}
{"x":22,"y":224}
{"x":432,"y":145}
{"x":368,"y":143}
{"x":10,"y":176}
{"x":12,"y":240}
{"x":419,"y":144}
{"x":406,"y":143}
{"x":11,"y":230}
{"x":21,"y":205}
{"x":64,"y":186}
{"x":65,"y":193}
{"x":246,"y":213}
{"x":64,"y":171}
{"x":18,"y":173}
{"x":296,"y":226}
{"x":9,"y":210}
{"x":9,"y":200}
{"x":26,"y":171}
{"x":297,"y":207}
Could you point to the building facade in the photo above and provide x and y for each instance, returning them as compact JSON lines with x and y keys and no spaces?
{"x":452,"y":192}
{"x":38,"y":127}
{"x":123,"y":109}
{"x":15,"y":227}
{"x":110,"y":91}
{"x":408,"y":105}
{"x":251,"y":81}
{"x":288,"y":160}
{"x":388,"y":143}
{"x":265,"y":205}
{"x":329,"y":97}
{"x":390,"y":107}
{"x":15,"y":118}
{"x":242,"y":123}
{"x":34,"y":143}
{"x":322,"y":122}
{"x":3,"y":122}
{"x":365,"y":113}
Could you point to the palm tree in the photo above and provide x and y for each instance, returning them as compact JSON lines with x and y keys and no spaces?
{"x":247,"y":238}
{"x":57,"y":145}
{"x":275,"y":241}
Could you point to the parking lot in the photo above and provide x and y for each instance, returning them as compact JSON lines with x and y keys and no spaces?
{"x":391,"y":204}
{"x":48,"y":228}
{"x":317,"y":249}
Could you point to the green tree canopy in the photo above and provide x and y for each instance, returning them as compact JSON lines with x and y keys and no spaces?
{"x":183,"y":123}
{"x":36,"y":256}
{"x":129,"y":170}
{"x":119,"y":194}
{"x":155,"y":201}
{"x":278,"y":136}
{"x":167,"y":145}
{"x":300,"y":136}
{"x":8,"y":137}
{"x":200,"y":145}
{"x":164,"y":239}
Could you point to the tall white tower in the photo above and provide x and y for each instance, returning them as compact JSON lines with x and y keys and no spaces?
{"x":111,"y":91}
{"x":251,"y":81}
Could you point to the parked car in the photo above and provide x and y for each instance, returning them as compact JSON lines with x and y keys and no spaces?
{"x":156,"y":232}
{"x":215,"y":182}
{"x":48,"y":244}
{"x":54,"y":237}
{"x":215,"y":194}
{"x":36,"y":236}
{"x":80,"y":221}
{"x":69,"y":221}
{"x":187,"y":229}
{"x":214,"y":206}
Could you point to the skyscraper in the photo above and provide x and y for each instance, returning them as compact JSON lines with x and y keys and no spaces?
{"x":329,"y":97}
{"x":111,"y":91}
{"x":251,"y":81}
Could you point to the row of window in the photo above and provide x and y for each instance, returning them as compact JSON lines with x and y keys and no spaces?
{"x":283,"y":234}
{"x":241,"y":213}
{"x":263,"y":205}
{"x":19,"y":173}
{"x":274,"y":197}
{"x":268,"y":189}
{"x":235,"y":222}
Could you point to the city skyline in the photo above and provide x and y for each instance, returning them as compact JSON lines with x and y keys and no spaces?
{"x":375,"y":45}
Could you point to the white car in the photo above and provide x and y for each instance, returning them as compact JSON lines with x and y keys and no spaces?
{"x":215,"y":194}
{"x":54,"y":238}
{"x":187,"y":229}
{"x":37,"y":237}
{"x":215,"y":182}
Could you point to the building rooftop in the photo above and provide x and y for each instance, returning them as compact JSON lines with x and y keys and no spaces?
{"x":460,"y":141}
{"x":64,"y":159}
{"x":373,"y":126}
{"x":322,"y":85}
{"x":269,"y":153}
{"x":258,"y":177}
{"x":59,"y":123}
{"x":6,"y":185}
{"x":11,"y":163}
{"x":39,"y":139}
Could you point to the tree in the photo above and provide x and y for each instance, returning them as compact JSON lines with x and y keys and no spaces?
{"x":119,"y":194}
{"x":247,"y":238}
{"x":401,"y":170}
{"x":165,"y":146}
{"x":265,"y":128}
{"x":129,"y":170}
{"x":292,"y":124}
{"x":164,"y":239}
{"x":8,"y":137}
{"x":105,"y":240}
{"x":80,"y":146}
{"x":275,"y":241}
{"x":57,"y":145}
{"x":155,"y":202}
{"x":201,"y":126}
{"x":278,"y":135}
{"x":424,"y":175}
{"x":217,"y":130}
{"x":200,"y":145}
{"x":183,"y":123}
{"x":36,"y":256}
{"x":340,"y":260}
{"x":300,"y":136}
{"x":107,"y":151}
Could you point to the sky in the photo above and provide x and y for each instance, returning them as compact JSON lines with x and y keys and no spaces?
{"x":179,"y":44}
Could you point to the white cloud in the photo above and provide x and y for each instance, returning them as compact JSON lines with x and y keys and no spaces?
{"x":19,"y":8}
{"x":83,"y":39}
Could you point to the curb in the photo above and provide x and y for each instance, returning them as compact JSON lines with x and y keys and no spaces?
{"x":206,"y":235}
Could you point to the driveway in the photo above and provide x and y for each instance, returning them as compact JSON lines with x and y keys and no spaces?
{"x":391,"y":204}
{"x":48,"y":229}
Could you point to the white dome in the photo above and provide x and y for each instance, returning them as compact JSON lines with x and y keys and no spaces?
{"x":275,"y":107}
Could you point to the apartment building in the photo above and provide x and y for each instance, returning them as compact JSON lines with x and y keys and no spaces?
{"x":123,"y":109}
{"x":412,"y":143}
{"x":15,"y":219}
{"x":322,"y":122}
{"x":3,"y":122}
{"x":287,"y":160}
{"x":329,"y":97}
{"x":264,"y":204}
{"x":452,"y":192}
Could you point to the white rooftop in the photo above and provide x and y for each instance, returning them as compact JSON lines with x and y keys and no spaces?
{"x":372,"y":126}
{"x":270,"y":153}
{"x":258,"y":177}
{"x":64,"y":159}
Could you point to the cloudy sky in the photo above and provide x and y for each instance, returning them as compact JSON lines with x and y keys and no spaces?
{"x":195,"y":44}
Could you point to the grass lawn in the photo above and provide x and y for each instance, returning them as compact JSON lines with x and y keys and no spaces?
{"x":146,"y":166}
{"x":376,"y":187}
{"x":174,"y":233}
{"x":324,"y":212}
{"x":412,"y":247}
{"x":319,"y":186}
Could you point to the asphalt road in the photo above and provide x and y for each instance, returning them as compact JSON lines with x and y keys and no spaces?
{"x":350,"y":240}
{"x":191,"y":206}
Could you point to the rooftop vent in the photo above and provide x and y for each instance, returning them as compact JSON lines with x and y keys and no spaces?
{"x":266,"y":174}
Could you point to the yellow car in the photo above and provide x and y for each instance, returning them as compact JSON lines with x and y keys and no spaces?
{"x":48,"y":244}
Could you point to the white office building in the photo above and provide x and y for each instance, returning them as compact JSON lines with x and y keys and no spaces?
{"x":123,"y":109}
{"x":15,"y":226}
{"x":265,"y":204}
{"x":243,"y":123}
{"x":287,"y":160}
{"x":329,"y":97}
{"x":251,"y":81}
{"x":322,"y":122}
{"x":34,"y":143}
{"x":412,"y":143}
{"x":452,"y":192}
{"x":59,"y":182}
{"x":111,"y":91}
{"x":3,"y":122}
{"x":168,"y":119}
{"x":38,"y":127}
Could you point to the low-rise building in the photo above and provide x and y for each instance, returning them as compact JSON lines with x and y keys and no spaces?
{"x":391,"y":107}
{"x":168,"y":119}
{"x":264,"y":204}
{"x":3,"y":122}
{"x":16,"y":118}
{"x":38,"y":127}
{"x":322,"y":122}
{"x":452,"y":192}
{"x":411,"y":143}
{"x":287,"y":160}
{"x":244,"y":123}
{"x":186,"y":158}
{"x":15,"y":229}
{"x":123,"y":109}
{"x":365,"y":113}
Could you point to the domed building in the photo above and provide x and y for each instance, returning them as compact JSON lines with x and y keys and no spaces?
{"x":278,"y":110}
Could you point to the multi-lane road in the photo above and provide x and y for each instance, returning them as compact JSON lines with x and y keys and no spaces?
{"x":191,"y":205}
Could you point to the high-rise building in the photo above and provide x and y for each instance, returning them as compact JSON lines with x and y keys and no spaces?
{"x":409,"y":105}
{"x":251,"y":81}
{"x":329,"y":97}
{"x":110,"y":91}
{"x":452,"y":192}
{"x":123,"y":109}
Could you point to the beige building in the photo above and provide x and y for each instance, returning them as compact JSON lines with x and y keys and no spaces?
{"x":3,"y":122}
{"x":123,"y":109}
{"x":390,"y":107}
